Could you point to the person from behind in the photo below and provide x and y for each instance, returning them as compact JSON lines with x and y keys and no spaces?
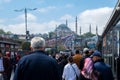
{"x":71,"y":71}
{"x":85,"y":55}
{"x":37,"y":65}
{"x":63,"y":62}
{"x":103,"y":70}
{"x":77,"y":57}
{"x":86,"y":65}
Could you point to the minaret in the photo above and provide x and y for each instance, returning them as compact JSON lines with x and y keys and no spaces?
{"x":66,"y":23}
{"x":90,"y":28}
{"x":80,"y":30}
{"x":96,"y":30}
{"x":76,"y":24}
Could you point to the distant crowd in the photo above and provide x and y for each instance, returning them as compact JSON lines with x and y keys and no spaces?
{"x":87,"y":64}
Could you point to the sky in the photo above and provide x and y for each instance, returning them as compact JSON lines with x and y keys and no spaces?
{"x":51,"y":13}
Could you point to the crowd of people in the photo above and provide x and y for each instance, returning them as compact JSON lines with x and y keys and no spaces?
{"x":8,"y":64}
{"x":87,"y":64}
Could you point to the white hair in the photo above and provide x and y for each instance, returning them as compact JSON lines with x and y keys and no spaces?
{"x":37,"y":42}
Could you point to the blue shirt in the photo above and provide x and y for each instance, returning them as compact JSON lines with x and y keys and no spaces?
{"x":1,"y":65}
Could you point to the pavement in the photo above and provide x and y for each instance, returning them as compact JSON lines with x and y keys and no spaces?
{"x":12,"y":75}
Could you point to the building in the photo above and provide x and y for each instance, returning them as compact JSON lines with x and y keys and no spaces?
{"x":111,"y":40}
{"x":63,"y":30}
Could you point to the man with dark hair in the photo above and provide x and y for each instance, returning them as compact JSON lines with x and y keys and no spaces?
{"x":71,"y":71}
{"x":77,"y":57}
{"x":37,"y":65}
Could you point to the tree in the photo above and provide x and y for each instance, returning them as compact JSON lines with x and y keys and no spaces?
{"x":26,"y":46}
{"x":2,"y":31}
{"x":51,"y":35}
{"x":9,"y":32}
{"x":88,"y":34}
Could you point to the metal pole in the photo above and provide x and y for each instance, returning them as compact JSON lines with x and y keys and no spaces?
{"x":26,"y":23}
{"x":56,"y":38}
{"x":25,"y":11}
{"x":118,"y":45}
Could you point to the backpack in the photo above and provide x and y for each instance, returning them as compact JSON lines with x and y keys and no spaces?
{"x":87,"y":68}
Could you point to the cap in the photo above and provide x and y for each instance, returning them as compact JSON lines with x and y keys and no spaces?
{"x":96,"y":53}
{"x":85,"y":49}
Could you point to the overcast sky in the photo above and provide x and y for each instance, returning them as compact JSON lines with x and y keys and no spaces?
{"x":50,"y":13}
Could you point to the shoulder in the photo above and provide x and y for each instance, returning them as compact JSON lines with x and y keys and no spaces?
{"x":74,"y":64}
{"x":98,"y":64}
{"x":37,"y":56}
{"x":67,"y":65}
{"x":88,"y":60}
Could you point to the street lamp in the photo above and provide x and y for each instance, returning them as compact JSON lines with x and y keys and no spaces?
{"x":56,"y":39}
{"x":25,"y":10}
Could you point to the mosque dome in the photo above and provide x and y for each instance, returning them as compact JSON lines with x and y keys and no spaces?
{"x":63,"y":30}
{"x":63,"y":27}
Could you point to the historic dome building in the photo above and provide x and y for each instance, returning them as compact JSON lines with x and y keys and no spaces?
{"x":63,"y":30}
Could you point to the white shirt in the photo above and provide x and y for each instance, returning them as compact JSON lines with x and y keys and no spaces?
{"x":1,"y":65}
{"x":69,"y":72}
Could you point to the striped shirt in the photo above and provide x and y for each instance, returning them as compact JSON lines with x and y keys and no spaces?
{"x":1,"y":65}
{"x":88,"y":68}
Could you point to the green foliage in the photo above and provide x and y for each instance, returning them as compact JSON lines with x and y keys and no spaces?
{"x":9,"y":32}
{"x":3,"y":32}
{"x":26,"y":46}
{"x":88,"y":34}
{"x":61,"y":48}
{"x":51,"y":35}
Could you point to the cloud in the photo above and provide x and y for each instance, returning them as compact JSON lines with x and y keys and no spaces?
{"x":1,"y":20}
{"x":95,"y":17}
{"x":43,"y":10}
{"x":32,"y":27}
{"x":30,"y":17}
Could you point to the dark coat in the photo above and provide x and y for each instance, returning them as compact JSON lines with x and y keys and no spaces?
{"x":37,"y":66}
{"x":7,"y":68}
{"x":104,"y":69}
{"x":7,"y":65}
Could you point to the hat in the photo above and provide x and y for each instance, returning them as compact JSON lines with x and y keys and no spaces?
{"x":85,"y":49}
{"x":96,"y":53}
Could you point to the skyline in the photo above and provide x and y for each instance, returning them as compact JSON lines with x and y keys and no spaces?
{"x":50,"y":13}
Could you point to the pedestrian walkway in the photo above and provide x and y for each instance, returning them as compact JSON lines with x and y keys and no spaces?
{"x":1,"y":78}
{"x":12,"y":75}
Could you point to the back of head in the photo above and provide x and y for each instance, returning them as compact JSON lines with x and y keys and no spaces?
{"x":97,"y":53}
{"x":37,"y":43}
{"x":70,"y":59}
{"x":77,"y":52}
{"x":86,"y":50}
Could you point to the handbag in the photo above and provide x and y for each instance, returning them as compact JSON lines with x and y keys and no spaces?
{"x":77,"y":78}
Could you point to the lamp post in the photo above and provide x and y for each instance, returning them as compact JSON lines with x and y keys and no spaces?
{"x":25,"y":11}
{"x":56,"y":40}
